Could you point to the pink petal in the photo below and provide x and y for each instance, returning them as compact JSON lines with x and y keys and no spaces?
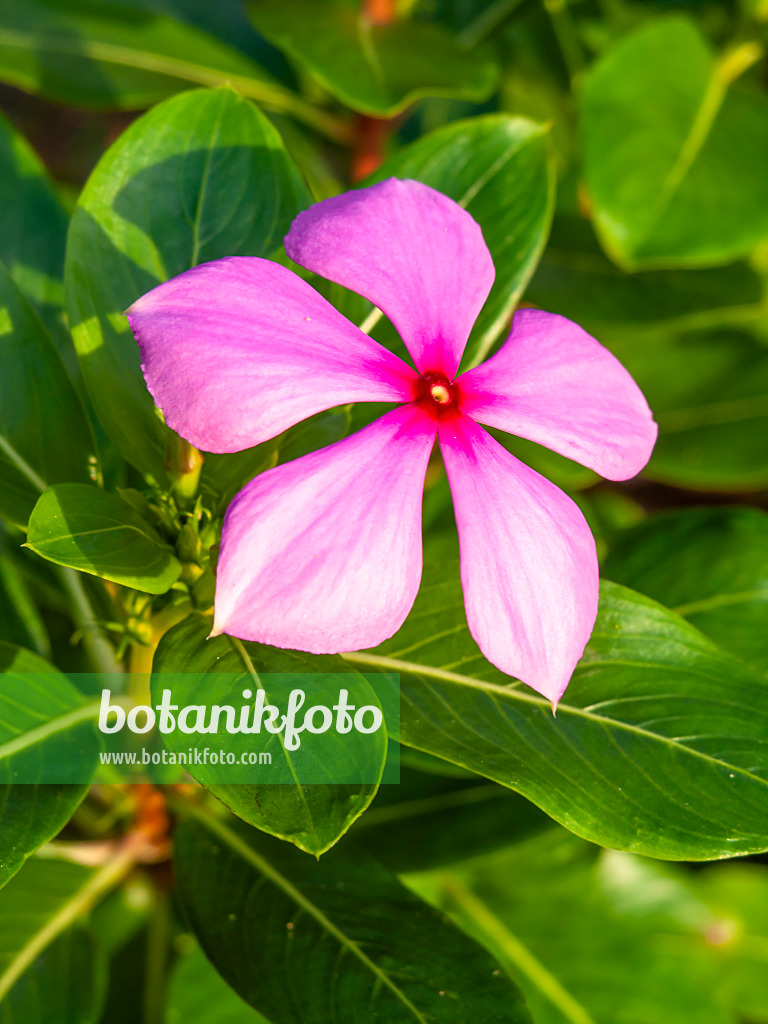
{"x":528,"y":561}
{"x":323,"y":554}
{"x":238,"y":350}
{"x":413,"y":252}
{"x":554,"y":384}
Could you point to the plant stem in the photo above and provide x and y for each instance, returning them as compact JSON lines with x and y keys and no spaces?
{"x":100,"y":651}
{"x":567,"y":36}
{"x":156,"y":961}
{"x":97,"y":886}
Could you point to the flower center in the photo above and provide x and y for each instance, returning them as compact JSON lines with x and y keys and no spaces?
{"x":437,"y":392}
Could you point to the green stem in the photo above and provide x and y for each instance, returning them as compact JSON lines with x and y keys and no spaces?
{"x":156,"y":962}
{"x":100,"y":651}
{"x":567,"y":36}
{"x":97,"y":886}
{"x":511,"y":952}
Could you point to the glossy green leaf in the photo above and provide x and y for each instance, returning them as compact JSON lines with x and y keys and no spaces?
{"x":39,"y":725}
{"x":312,"y":816}
{"x":183,"y":185}
{"x":593,"y":937}
{"x":658,"y":745}
{"x":34,"y":226}
{"x":674,"y":156}
{"x":709,"y":395}
{"x":498,"y":168}
{"x":376,"y":69}
{"x":197,"y":992}
{"x":103,"y":55}
{"x":339,"y":940}
{"x":49,"y":971}
{"x":36,"y":398}
{"x":575,"y":279}
{"x":88,"y":529}
{"x":710,"y":565}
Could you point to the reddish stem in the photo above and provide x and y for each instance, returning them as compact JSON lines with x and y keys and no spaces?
{"x":370,"y":140}
{"x":379,"y":12}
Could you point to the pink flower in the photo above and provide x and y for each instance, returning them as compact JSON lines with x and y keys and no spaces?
{"x":323,"y":554}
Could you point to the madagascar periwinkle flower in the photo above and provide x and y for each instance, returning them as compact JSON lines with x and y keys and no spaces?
{"x":323,"y":554}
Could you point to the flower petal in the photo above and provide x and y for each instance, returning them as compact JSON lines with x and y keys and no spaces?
{"x":323,"y":554}
{"x":554,"y":384}
{"x":238,"y":350}
{"x":413,"y":252}
{"x":528,"y":561}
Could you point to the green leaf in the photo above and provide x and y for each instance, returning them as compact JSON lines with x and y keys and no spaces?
{"x":30,"y":813}
{"x":709,"y":395}
{"x":375,"y":69}
{"x":658,"y":745}
{"x":312,"y":816}
{"x":49,"y":970}
{"x":183,"y":185}
{"x":34,"y":226}
{"x":674,"y":158}
{"x":576,"y":280}
{"x":197,"y":992}
{"x":591,"y":937}
{"x":110,"y":56}
{"x":427,"y":820}
{"x":226,"y":474}
{"x":499,"y":169}
{"x":88,"y":529}
{"x":738,"y":894}
{"x":20,"y":619}
{"x":710,"y":565}
{"x":44,"y":435}
{"x":340,"y":940}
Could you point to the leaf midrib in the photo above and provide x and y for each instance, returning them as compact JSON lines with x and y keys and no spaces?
{"x":263,"y":866}
{"x":394,"y":665}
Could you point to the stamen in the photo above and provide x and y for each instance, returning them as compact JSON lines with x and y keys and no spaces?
{"x":440,"y":393}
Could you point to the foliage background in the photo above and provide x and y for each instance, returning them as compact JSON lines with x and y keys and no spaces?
{"x":615,"y":154}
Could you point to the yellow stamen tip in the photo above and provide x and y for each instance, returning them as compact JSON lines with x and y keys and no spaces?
{"x":440,"y":393}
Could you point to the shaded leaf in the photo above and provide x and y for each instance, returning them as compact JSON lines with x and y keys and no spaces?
{"x":36,"y":398}
{"x":34,"y":227}
{"x":32,"y":813}
{"x":197,"y":992}
{"x":575,"y":279}
{"x":376,"y":69}
{"x":340,"y":940}
{"x":183,"y":185}
{"x":709,"y":565}
{"x":49,"y":971}
{"x":677,"y":178}
{"x":709,"y":395}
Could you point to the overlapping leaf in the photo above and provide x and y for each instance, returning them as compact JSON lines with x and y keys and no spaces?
{"x":674,"y":156}
{"x":340,"y":940}
{"x":311,"y":815}
{"x":185,"y":184}
{"x":658,"y":746}
{"x":711,"y":566}
{"x":93,"y":531}
{"x":32,"y":813}
{"x":36,"y":397}
{"x":374,"y":68}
